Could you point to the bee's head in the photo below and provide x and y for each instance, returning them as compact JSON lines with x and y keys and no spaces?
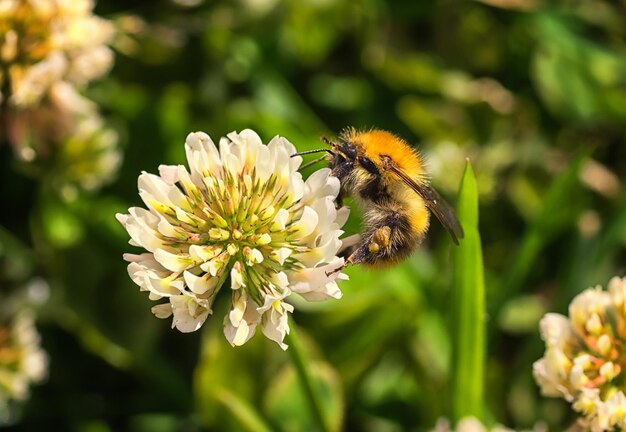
{"x":354,"y":153}
{"x":348,"y":151}
{"x":345,"y":151}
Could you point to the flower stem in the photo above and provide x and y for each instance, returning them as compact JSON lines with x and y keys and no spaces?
{"x":310,"y":388}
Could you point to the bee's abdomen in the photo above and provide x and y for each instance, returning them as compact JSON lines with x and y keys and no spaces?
{"x":389,"y":237}
{"x":402,"y":241}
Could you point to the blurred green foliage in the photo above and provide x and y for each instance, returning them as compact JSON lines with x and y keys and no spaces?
{"x":534,"y":94}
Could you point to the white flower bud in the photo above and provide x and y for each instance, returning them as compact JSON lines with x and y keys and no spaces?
{"x":608,"y":371}
{"x":219,"y":234}
{"x":604,"y":344}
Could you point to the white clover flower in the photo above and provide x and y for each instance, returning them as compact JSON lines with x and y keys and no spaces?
{"x":242,"y":211}
{"x":585,"y":356}
{"x":22,"y":361}
{"x":43,"y":43}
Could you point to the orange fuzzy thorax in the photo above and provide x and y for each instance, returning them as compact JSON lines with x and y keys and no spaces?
{"x":376,"y":142}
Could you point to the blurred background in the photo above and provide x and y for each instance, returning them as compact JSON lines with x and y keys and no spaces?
{"x":534,"y":93}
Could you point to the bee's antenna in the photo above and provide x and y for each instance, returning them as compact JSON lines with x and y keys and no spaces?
{"x":312,"y":151}
{"x":323,"y":138}
{"x":327,"y":141}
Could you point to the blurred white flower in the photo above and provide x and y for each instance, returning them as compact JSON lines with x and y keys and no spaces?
{"x":43,"y":43}
{"x":584,"y":357}
{"x":89,"y":157}
{"x":49,"y":50}
{"x":66,"y":141}
{"x":22,"y":361}
{"x":472,"y":424}
{"x":242,"y":211}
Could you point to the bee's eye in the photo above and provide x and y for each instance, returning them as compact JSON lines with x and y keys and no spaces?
{"x":367,"y":163}
{"x":349,"y":150}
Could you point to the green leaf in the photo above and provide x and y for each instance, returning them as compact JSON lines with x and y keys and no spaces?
{"x":468,"y":304}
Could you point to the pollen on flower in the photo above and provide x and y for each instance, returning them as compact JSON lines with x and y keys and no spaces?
{"x":585,"y":357}
{"x":243,"y":211}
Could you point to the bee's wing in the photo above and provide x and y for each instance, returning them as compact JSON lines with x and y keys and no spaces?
{"x":435,"y":203}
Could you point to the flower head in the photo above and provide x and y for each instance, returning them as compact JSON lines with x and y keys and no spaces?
{"x":243,"y":212}
{"x":47,"y":42}
{"x":22,"y":361}
{"x":585,"y":356}
{"x":49,"y":50}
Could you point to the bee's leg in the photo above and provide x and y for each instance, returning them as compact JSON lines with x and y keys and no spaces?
{"x":349,"y":245}
{"x":377,"y":241}
{"x":381,"y":242}
{"x":313,"y":162}
{"x":346,"y":250}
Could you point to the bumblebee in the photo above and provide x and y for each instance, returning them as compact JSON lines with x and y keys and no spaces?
{"x":387,"y":178}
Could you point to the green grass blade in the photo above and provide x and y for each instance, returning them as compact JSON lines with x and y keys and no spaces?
{"x":468,"y":305}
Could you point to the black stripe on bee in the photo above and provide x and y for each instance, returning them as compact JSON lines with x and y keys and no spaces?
{"x":376,"y":191}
